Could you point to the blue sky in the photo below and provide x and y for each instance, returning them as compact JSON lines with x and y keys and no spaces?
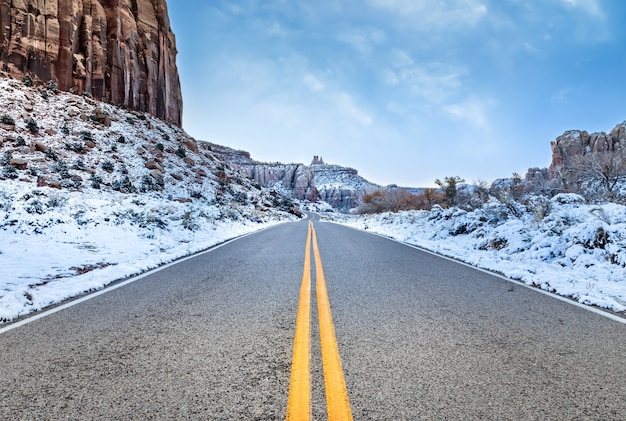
{"x":405,"y":91}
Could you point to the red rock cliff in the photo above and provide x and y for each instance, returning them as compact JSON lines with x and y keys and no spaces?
{"x":121,"y":51}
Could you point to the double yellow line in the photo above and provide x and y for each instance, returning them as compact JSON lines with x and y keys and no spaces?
{"x":337,"y":402}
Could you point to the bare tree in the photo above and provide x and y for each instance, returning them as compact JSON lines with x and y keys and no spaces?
{"x":603,"y":170}
{"x":393,"y":200}
{"x":480,"y":194}
{"x":428,"y":198}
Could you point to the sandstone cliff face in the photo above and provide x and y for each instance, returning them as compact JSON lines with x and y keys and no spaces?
{"x":341,"y":187}
{"x":294,"y":180}
{"x":575,"y":143}
{"x":120,"y":51}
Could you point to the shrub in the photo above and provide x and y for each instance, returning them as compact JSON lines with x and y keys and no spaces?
{"x":123,"y":185}
{"x":242,"y":197}
{"x":9,"y":171}
{"x":50,"y":153}
{"x":78,"y":165}
{"x":6,"y":158}
{"x":71,"y":182}
{"x":7,"y":119}
{"x":53,"y":86}
{"x":31,"y":125}
{"x":19,"y":141}
{"x":189,"y":222}
{"x":27,"y":80}
{"x":65,"y":129}
{"x":107,"y":166}
{"x":601,"y":214}
{"x":55,"y":201}
{"x":393,"y":200}
{"x":601,"y":238}
{"x":35,"y":206}
{"x":62,"y":168}
{"x":77,"y":147}
{"x":449,"y":186}
{"x":95,"y":180}
{"x":86,"y":135}
{"x":181,"y":152}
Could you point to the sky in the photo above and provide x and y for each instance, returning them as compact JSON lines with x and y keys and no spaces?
{"x":405,"y":91}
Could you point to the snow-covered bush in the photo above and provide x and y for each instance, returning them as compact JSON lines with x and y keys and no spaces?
{"x":561,"y":244}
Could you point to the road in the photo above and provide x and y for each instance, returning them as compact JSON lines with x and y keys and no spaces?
{"x":419,"y":337}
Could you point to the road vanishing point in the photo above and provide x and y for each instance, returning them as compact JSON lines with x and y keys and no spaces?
{"x":313,"y":320}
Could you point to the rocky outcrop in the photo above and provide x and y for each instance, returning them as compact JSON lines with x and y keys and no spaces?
{"x":341,"y":187}
{"x":573,"y":144}
{"x":293,"y":180}
{"x":120,"y":51}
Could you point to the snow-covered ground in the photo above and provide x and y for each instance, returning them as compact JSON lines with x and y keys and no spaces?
{"x":91,"y":193}
{"x":560,"y":245}
{"x":59,"y":244}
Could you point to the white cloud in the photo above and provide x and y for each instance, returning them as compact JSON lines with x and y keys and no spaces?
{"x":401,"y":59}
{"x":589,"y":7}
{"x":530,"y":48}
{"x":430,"y":14}
{"x":473,"y":111}
{"x":313,"y":83}
{"x":363,"y":40}
{"x":345,"y":105}
{"x":434,"y":81}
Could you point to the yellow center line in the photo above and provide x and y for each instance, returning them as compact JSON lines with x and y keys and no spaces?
{"x":337,"y":402}
{"x":299,"y":404}
{"x":299,"y":401}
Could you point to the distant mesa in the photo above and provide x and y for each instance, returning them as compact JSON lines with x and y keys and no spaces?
{"x":122,"y":52}
{"x":341,"y":187}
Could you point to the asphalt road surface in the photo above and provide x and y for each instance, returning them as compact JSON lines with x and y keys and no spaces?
{"x":419,"y":337}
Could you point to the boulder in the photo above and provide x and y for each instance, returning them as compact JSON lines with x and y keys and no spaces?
{"x":19,"y":163}
{"x":152,"y":164}
{"x":192,"y":145}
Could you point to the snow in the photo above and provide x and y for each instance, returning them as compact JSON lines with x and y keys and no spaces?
{"x":86,"y":241}
{"x":161,"y":196}
{"x":561,"y":245}
{"x":57,"y":243}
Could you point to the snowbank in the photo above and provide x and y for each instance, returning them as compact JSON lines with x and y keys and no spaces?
{"x":560,"y":245}
{"x":56,"y":244}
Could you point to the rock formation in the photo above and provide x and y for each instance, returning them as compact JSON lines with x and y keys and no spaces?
{"x":120,"y":51}
{"x":341,"y":187}
{"x":573,"y":144}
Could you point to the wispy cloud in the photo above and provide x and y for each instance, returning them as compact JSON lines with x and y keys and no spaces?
{"x":363,"y":40}
{"x":429,"y":14}
{"x":347,"y":106}
{"x":589,"y":7}
{"x":313,"y":83}
{"x":473,"y":111}
{"x":432,"y":81}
